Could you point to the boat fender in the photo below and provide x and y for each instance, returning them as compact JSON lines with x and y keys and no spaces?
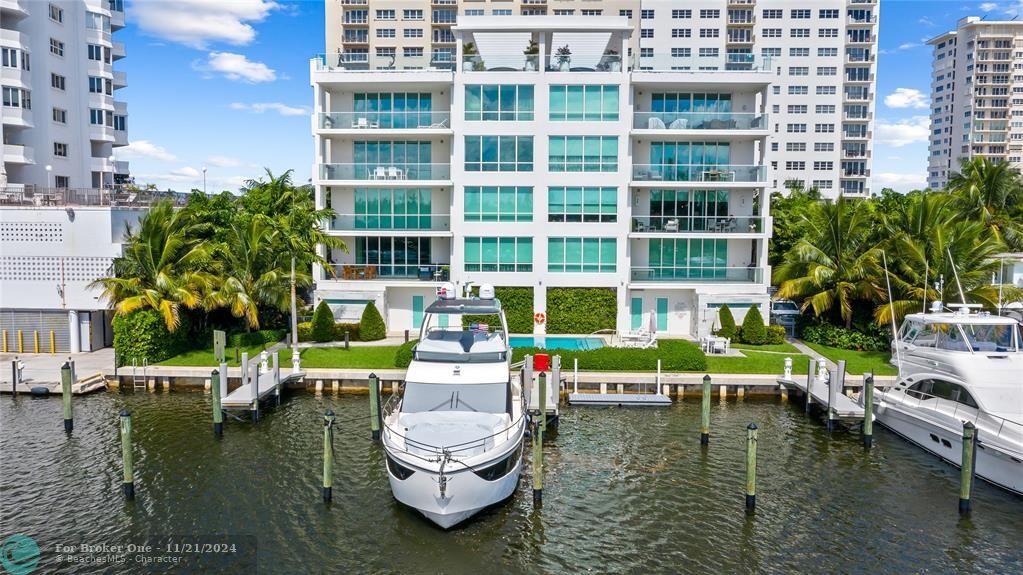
{"x":40,"y":391}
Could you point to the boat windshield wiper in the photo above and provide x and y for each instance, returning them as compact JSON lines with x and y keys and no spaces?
{"x":449,"y":403}
{"x":458,"y":401}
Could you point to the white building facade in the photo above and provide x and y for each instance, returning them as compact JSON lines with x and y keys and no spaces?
{"x":544,"y":159}
{"x":976,"y":96}
{"x":62,"y":122}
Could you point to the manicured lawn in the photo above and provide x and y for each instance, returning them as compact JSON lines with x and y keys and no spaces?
{"x":367,"y":357}
{"x":755,"y":362}
{"x":784,"y":347}
{"x":858,"y":362}
{"x":204,"y":357}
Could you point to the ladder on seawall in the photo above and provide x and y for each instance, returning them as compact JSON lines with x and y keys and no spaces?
{"x":138,"y":381}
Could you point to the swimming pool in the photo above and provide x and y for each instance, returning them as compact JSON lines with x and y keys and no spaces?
{"x":556,"y":342}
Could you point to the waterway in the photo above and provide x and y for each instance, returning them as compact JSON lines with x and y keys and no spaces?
{"x":626,"y":491}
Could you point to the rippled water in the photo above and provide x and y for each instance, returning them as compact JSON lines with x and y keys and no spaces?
{"x":626,"y":491}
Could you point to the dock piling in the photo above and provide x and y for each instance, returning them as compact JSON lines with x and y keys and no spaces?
{"x":537,"y":437}
{"x":705,"y":412}
{"x":128,"y":483}
{"x":868,"y":410}
{"x":751,"y":468}
{"x":575,"y":375}
{"x":967,"y":469}
{"x":65,"y":385}
{"x":556,"y":378}
{"x":275,"y":366}
{"x":811,"y":370}
{"x":835,"y":385}
{"x":15,"y":376}
{"x":328,"y":455}
{"x":218,"y":412}
{"x":374,"y":406}
{"x":543,"y":401}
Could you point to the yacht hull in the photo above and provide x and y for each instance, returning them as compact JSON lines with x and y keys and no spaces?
{"x":991,"y":465}
{"x":465,"y":494}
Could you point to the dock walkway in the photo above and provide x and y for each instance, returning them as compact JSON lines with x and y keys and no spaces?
{"x":826,"y":391}
{"x":259,"y":381}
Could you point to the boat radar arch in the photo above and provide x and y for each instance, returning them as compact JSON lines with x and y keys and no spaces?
{"x":486,"y":291}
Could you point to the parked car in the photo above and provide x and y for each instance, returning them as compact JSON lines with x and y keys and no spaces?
{"x":784,"y":312}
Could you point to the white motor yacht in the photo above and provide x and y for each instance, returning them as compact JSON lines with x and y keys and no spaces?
{"x":956,"y":367}
{"x":453,"y":437}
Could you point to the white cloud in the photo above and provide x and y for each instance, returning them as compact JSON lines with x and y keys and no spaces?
{"x":903,"y":132}
{"x":261,"y":107}
{"x":237,"y":67}
{"x":906,"y":98}
{"x":198,"y":23}
{"x":145,"y":149}
{"x":223,"y":161}
{"x":907,"y":46}
{"x":900,"y":182}
{"x":926,"y":21}
{"x":187,"y":172}
{"x":988,"y":6}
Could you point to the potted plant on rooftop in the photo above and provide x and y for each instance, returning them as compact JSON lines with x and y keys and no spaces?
{"x":611,"y":61}
{"x":563,"y":56}
{"x":473,"y":63}
{"x":531,"y":51}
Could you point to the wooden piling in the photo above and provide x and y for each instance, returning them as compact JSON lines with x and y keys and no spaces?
{"x":328,"y":455}
{"x":705,"y":412}
{"x":967,"y":468}
{"x":218,"y":412}
{"x":65,"y":387}
{"x":374,"y":406}
{"x":751,"y":467}
{"x":128,"y":483}
{"x":537,"y":437}
{"x":868,"y":410}
{"x":543,"y":401}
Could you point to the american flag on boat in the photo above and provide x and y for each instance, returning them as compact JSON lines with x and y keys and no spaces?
{"x":479,"y":327}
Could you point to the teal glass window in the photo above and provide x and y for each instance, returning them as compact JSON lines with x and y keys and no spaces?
{"x":584,"y":103}
{"x":583,"y":154}
{"x":688,"y":161}
{"x":393,"y":209}
{"x":498,"y":102}
{"x":413,"y":158}
{"x":582,"y":204}
{"x":393,"y":257}
{"x":685,"y":102}
{"x":498,"y":204}
{"x":498,"y":254}
{"x":688,"y":258}
{"x":581,"y":255}
{"x":395,"y":109}
{"x":693,"y":210}
{"x":499,"y":153}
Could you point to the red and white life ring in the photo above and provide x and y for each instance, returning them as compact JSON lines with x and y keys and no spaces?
{"x":540,"y":317}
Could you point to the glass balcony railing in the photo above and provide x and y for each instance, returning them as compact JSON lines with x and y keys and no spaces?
{"x":583,"y":63}
{"x":396,"y":171}
{"x":423,"y":272}
{"x":750,"y":275}
{"x":500,"y":63}
{"x":698,"y":224}
{"x":390,"y":222}
{"x":662,"y":62}
{"x":407,"y":120}
{"x":364,"y":62}
{"x":698,"y":173}
{"x":698,"y":121}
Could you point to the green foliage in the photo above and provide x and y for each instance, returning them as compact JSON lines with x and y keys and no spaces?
{"x":517,"y":303}
{"x":834,"y":336}
{"x":323,"y":323}
{"x":727,"y":322}
{"x":754,"y":332}
{"x":305,"y":331}
{"x":371,"y":326}
{"x":675,"y":355}
{"x":790,"y":221}
{"x":403,"y":357}
{"x":254,"y":338}
{"x":142,"y":335}
{"x":580,"y":310}
{"x":775,"y":335}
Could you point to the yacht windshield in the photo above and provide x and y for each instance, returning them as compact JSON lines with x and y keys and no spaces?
{"x":479,"y":397}
{"x":986,"y":337}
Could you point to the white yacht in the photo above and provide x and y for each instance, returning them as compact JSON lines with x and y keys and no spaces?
{"x":956,"y":367}
{"x":453,"y":438}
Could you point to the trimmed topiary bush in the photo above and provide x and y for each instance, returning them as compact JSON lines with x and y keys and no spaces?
{"x":727,"y":321}
{"x":675,"y":355}
{"x":580,"y":310}
{"x":323,"y":323}
{"x":142,"y":335}
{"x":371,"y":326}
{"x":754,"y":332}
{"x":403,"y":357}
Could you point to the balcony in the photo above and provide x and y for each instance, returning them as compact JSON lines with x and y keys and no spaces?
{"x":370,"y":272}
{"x":583,"y":63}
{"x":673,"y":225}
{"x":667,"y":62}
{"x":120,"y":79}
{"x":698,"y":173}
{"x":118,"y":51}
{"x":861,"y":20}
{"x":387,"y":174}
{"x":18,"y":154}
{"x":743,"y":275}
{"x":398,"y":224}
{"x":502,"y":63}
{"x":20,"y":195}
{"x":678,"y":121}
{"x":417,"y":67}
{"x":16,"y":9}
{"x":370,"y":121}
{"x":101,"y":133}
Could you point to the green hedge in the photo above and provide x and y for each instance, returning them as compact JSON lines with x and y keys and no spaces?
{"x":834,"y":336}
{"x":727,"y":321}
{"x":323,"y":323}
{"x":371,"y":326}
{"x":754,"y":332}
{"x":580,"y":310}
{"x":775,"y":334}
{"x":517,"y":303}
{"x":253,"y":338}
{"x":143,"y":335}
{"x":403,"y":357}
{"x":675,"y":355}
{"x":305,"y":331}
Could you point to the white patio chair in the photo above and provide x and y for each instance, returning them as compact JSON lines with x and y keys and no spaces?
{"x":393,"y":173}
{"x":679,"y":124}
{"x":360,"y":123}
{"x":720,"y":345}
{"x":655,"y":124}
{"x":671,"y":226}
{"x":380,"y":173}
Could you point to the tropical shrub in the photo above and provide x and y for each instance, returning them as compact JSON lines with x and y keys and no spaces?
{"x":253,"y":338}
{"x":775,"y":334}
{"x":403,"y":357}
{"x":675,"y":355}
{"x":834,"y":336}
{"x":305,"y":331}
{"x":580,"y":310}
{"x":142,"y":335}
{"x":727,"y":321}
{"x":517,"y":303}
{"x":371,"y":326}
{"x":323,"y":323}
{"x":754,"y":332}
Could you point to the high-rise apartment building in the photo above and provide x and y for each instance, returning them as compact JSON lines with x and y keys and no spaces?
{"x":62,"y":122}
{"x":824,"y":53}
{"x":976,"y":96}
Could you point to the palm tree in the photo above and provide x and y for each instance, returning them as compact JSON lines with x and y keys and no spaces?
{"x":833,"y":264}
{"x":990,"y":191}
{"x":160,"y":269}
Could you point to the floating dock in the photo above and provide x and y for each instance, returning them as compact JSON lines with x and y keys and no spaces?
{"x":659,"y":398}
{"x":824,"y":388}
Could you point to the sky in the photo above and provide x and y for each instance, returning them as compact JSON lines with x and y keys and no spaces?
{"x":224,"y":85}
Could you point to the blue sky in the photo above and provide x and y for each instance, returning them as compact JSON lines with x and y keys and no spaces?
{"x":224,"y":84}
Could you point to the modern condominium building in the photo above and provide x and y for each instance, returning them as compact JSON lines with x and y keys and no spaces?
{"x":823,"y":53}
{"x":61,"y":120}
{"x":543,"y":159}
{"x":976,"y":96}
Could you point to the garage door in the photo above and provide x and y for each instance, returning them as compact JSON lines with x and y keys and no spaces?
{"x":32,"y":322}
